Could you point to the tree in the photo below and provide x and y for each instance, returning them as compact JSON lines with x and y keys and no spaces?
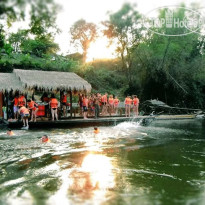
{"x":124,"y":28}
{"x":83,"y":34}
{"x":39,"y":47}
{"x":2,"y":37}
{"x":16,"y":39}
{"x":43,"y":19}
{"x":172,"y":67}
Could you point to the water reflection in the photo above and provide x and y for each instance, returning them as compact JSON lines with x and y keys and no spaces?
{"x":94,"y":174}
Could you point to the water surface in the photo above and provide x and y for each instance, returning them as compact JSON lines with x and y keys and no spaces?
{"x":163,"y":163}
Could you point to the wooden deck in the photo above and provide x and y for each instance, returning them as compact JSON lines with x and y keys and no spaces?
{"x":79,"y":122}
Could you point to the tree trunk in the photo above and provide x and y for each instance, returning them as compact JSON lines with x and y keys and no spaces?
{"x":84,"y":56}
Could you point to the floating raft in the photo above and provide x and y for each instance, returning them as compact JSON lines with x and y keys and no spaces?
{"x":144,"y":120}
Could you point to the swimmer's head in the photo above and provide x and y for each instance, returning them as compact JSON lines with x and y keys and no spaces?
{"x":10,"y":132}
{"x":96,"y":130}
{"x":44,"y":138}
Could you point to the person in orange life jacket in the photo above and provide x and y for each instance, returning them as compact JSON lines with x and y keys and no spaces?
{"x":45,"y":139}
{"x":136,"y":105}
{"x":21,"y":101}
{"x":54,"y":107}
{"x":104,"y":104}
{"x":128,"y":102}
{"x":15,"y":108}
{"x":24,"y":112}
{"x":64,"y":103}
{"x":96,"y":130}
{"x":111,"y":104}
{"x":10,"y":132}
{"x":45,"y":99}
{"x":116,"y":103}
{"x":85,"y":106}
{"x":33,"y":107}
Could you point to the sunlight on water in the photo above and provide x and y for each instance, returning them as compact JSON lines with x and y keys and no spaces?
{"x":100,"y":169}
{"x":123,"y":164}
{"x":88,"y":181}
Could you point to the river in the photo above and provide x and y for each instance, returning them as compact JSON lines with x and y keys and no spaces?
{"x":163,"y":163}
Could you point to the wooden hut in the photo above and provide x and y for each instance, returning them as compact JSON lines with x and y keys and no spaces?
{"x":36,"y":80}
{"x":8,"y":82}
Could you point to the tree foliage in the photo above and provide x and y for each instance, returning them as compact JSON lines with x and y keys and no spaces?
{"x":39,"y":47}
{"x":125,"y":29}
{"x":82,"y":34}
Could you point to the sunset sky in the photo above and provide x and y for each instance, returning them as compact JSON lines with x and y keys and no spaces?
{"x":96,"y":11}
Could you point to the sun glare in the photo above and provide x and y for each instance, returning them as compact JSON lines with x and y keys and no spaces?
{"x":100,"y":50}
{"x":100,"y":168}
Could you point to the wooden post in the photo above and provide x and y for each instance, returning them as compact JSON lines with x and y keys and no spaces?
{"x":71,"y":107}
{"x":25,"y":94}
{"x":120,"y":112}
{"x":60,"y":108}
{"x":1,"y":104}
{"x":7,"y":104}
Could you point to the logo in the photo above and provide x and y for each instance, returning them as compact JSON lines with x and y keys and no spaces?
{"x":174,"y":21}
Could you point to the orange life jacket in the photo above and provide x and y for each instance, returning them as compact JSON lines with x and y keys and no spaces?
{"x":85,"y":102}
{"x":128,"y":101}
{"x":46,"y":140}
{"x":21,"y":101}
{"x":116,"y":101}
{"x":104,"y":99}
{"x":16,"y":100}
{"x":135,"y":101}
{"x":32,"y":105}
{"x":111,"y":100}
{"x":54,"y":103}
{"x":96,"y":131}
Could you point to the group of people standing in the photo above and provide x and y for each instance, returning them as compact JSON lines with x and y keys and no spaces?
{"x":91,"y":105}
{"x":23,"y":108}
{"x":28,"y":109}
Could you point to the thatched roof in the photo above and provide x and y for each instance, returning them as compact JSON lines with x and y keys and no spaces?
{"x":51,"y":80}
{"x":8,"y":81}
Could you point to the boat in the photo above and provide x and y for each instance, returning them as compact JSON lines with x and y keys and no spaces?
{"x":157,"y":107}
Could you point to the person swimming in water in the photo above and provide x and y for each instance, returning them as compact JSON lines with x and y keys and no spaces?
{"x":96,"y":130}
{"x":45,"y":138}
{"x":10,"y":132}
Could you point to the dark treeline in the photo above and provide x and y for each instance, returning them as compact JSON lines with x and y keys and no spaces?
{"x":168,"y":68}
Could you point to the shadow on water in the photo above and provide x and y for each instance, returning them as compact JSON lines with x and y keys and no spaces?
{"x":124,"y":164}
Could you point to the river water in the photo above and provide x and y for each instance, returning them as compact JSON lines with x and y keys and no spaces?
{"x":163,"y":163}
